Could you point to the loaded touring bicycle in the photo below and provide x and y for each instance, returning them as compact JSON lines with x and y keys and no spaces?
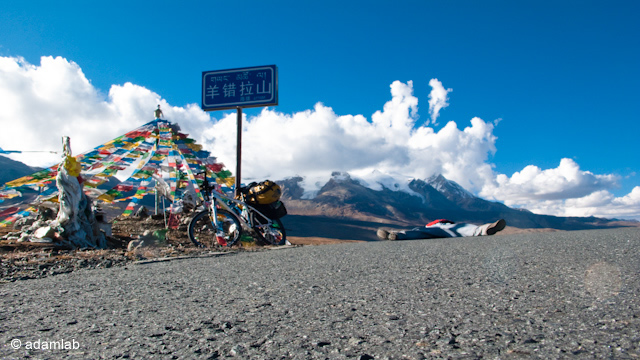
{"x":223,"y":221}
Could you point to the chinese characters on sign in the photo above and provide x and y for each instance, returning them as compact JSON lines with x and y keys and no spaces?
{"x":245,"y":87}
{"x":240,"y":88}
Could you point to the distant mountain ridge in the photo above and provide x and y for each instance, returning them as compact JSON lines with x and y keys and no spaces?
{"x":11,"y":170}
{"x":425,"y":200}
{"x":433,"y":198}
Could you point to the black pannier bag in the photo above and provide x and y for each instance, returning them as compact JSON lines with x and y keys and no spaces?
{"x":273,"y":211}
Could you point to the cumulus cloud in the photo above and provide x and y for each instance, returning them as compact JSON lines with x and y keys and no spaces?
{"x":564,"y":191}
{"x":438,"y":99}
{"x":532,"y":183}
{"x":316,"y":142}
{"x":42,"y":103}
{"x":601,"y":203}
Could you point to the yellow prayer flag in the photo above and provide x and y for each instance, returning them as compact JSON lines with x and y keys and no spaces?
{"x":230,"y":181}
{"x":194,"y":147}
{"x":106,"y":198}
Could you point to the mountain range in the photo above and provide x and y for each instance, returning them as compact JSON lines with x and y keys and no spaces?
{"x":387,"y":202}
{"x":11,"y":169}
{"x":426,"y":200}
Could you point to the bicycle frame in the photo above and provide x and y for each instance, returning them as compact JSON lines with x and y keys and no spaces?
{"x":248,"y":218}
{"x":219,"y":199}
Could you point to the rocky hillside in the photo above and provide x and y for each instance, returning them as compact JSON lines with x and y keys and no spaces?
{"x":434,"y":198}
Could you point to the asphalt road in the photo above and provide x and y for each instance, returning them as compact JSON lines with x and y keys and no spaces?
{"x":545,"y":295}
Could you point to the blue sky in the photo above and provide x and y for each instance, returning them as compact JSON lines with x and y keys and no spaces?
{"x":555,"y":79}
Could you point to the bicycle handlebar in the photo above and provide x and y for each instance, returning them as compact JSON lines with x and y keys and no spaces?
{"x":207,"y":188}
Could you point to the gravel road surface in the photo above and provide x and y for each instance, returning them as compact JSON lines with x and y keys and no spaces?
{"x":545,"y":295}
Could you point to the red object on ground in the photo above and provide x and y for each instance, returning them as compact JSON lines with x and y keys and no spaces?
{"x":173,"y":222}
{"x":444,"y":221}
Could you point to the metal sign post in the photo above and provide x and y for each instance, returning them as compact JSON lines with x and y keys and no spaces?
{"x":239,"y":88}
{"x":239,"y":151}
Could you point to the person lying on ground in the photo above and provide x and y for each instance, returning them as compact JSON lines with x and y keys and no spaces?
{"x":442,"y":228}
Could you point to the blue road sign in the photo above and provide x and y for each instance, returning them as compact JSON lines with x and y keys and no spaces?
{"x":243,"y":87}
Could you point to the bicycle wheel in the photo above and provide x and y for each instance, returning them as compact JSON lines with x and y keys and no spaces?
{"x":203,"y":233}
{"x":269,"y":234}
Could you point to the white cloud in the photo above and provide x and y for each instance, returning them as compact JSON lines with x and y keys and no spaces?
{"x":604,"y":204}
{"x":40,"y":104}
{"x":566,"y":181}
{"x":317,"y":142}
{"x":438,"y":99}
{"x":563,"y":191}
{"x":600,"y":203}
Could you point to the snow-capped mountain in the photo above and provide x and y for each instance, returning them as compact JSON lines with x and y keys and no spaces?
{"x":448,"y":188}
{"x":388,"y":198}
{"x":413,"y":201}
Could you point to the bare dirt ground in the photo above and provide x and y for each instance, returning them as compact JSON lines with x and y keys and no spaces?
{"x":34,"y":260}
{"x":26,"y":260}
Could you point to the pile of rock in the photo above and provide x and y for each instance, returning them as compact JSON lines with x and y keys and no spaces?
{"x":44,"y":226}
{"x":75,"y":224}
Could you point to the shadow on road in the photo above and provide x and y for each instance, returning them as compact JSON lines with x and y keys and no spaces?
{"x":322,"y":227}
